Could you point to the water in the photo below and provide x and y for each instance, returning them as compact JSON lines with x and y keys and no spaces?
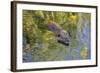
{"x":84,"y":39}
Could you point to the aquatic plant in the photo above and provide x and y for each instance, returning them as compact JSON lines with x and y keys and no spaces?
{"x":55,"y":36}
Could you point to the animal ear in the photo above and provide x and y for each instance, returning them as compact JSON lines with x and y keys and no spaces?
{"x":54,"y":27}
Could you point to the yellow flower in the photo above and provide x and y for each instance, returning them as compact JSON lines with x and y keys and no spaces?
{"x":73,"y":17}
{"x":84,"y":52}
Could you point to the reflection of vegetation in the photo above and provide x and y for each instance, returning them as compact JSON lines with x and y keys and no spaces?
{"x":41,"y":41}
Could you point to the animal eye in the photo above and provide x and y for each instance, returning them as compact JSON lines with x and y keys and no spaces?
{"x":58,"y":35}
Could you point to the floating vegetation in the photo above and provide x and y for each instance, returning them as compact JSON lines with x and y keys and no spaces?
{"x":56,"y":36}
{"x":84,"y":53}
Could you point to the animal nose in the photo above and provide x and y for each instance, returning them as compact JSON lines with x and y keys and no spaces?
{"x":64,"y":43}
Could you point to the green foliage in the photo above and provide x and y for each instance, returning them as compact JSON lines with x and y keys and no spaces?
{"x":43,"y":44}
